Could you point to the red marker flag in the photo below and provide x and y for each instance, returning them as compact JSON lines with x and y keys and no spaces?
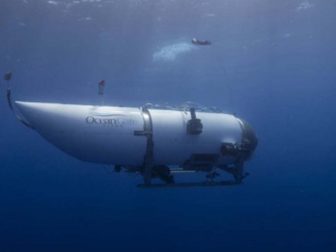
{"x":101,"y":87}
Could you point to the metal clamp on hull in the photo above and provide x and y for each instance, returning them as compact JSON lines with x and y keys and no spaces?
{"x":147,"y":167}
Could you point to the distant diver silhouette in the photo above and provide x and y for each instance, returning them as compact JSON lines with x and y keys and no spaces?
{"x":196,"y":41}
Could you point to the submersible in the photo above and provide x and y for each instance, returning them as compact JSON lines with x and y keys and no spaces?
{"x":151,"y":142}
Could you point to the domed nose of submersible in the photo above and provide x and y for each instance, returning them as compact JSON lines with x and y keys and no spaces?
{"x":249,"y":139}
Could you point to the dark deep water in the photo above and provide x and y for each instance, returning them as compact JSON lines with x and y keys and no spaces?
{"x":271,"y":62}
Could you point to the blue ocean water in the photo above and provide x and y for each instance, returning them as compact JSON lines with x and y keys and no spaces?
{"x":270,"y":62}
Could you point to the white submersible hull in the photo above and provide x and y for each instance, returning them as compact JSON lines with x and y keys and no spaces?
{"x":145,"y":140}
